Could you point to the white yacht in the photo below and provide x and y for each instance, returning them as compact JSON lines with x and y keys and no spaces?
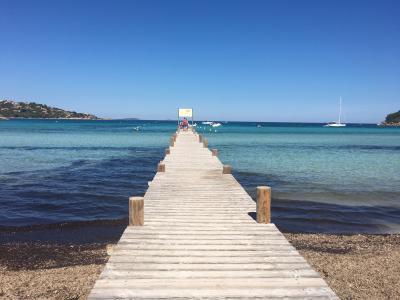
{"x":338,"y":123}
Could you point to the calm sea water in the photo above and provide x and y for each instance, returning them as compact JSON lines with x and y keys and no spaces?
{"x":323,"y":179}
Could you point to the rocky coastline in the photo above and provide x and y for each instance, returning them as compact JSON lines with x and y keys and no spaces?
{"x":10,"y":109}
{"x":385,"y":124}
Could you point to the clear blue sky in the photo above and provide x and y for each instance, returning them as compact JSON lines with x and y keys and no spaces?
{"x":229,"y":60}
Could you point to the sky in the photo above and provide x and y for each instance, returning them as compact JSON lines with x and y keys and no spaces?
{"x":228,"y":60}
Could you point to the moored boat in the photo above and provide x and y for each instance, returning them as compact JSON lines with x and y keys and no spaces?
{"x":338,"y":123}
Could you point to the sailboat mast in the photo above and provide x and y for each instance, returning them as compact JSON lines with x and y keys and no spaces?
{"x":340,"y":109}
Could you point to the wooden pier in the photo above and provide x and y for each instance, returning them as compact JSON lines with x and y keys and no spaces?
{"x":200,"y":238}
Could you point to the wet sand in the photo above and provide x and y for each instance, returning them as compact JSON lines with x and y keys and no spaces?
{"x":355,"y":266}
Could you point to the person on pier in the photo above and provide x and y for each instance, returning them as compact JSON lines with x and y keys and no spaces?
{"x":185,"y":124}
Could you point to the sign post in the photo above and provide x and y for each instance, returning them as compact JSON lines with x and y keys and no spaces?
{"x":185,"y":113}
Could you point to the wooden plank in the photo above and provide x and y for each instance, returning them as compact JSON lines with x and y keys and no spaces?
{"x":203,"y":231}
{"x":191,"y":253}
{"x":213,"y":293}
{"x":207,"y":266}
{"x":201,"y":274}
{"x":174,"y":247}
{"x":213,"y":283}
{"x":132,"y":258}
{"x":194,"y":237}
{"x":275,"y":241}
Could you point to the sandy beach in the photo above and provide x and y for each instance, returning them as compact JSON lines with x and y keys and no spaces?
{"x":355,"y":266}
{"x":32,"y":271}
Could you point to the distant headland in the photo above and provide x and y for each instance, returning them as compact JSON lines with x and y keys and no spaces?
{"x":392,"y":119}
{"x":30,"y":110}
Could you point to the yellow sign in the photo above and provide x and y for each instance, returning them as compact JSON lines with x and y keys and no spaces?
{"x":185,"y":112}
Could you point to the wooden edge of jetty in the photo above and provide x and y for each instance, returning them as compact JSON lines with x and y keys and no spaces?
{"x":196,"y":233}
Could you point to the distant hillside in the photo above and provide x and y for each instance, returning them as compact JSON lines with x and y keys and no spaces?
{"x":393,"y":118}
{"x":12,"y":109}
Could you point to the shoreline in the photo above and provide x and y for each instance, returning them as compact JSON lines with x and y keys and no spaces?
{"x":72,"y":233}
{"x":384,"y":124}
{"x":46,"y":263}
{"x":109,"y":230}
{"x":37,"y":229}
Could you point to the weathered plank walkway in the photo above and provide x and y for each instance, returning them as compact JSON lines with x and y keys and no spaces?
{"x":199,"y":241}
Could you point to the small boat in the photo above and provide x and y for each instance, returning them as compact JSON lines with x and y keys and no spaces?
{"x":216,"y":124}
{"x":259,"y":126}
{"x":338,"y":123}
{"x":335,"y":124}
{"x":207,"y":123}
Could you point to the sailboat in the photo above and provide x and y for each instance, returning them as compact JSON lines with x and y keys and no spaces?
{"x":338,"y":123}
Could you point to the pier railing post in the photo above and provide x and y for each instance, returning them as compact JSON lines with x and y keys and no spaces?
{"x":214,"y":152}
{"x":161,"y":167}
{"x":263,"y":204}
{"x":205,"y":143}
{"x":172,"y":141}
{"x":226,"y":169}
{"x":167,"y":151}
{"x":200,"y":138}
{"x":136,"y":211}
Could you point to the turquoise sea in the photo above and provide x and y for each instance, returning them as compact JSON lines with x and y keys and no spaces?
{"x":323,"y":179}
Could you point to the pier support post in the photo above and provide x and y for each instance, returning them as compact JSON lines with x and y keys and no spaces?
{"x":227,"y":169}
{"x":263,"y":204}
{"x":214,"y":152}
{"x":161,"y":167}
{"x":205,"y":143}
{"x":136,"y":211}
{"x":172,"y":141}
{"x":167,"y":151}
